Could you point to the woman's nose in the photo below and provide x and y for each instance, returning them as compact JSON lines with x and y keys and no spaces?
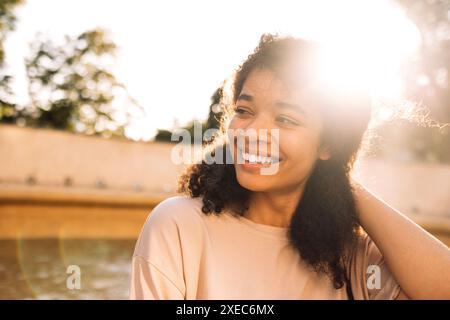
{"x":260,"y":131}
{"x":260,"y":122}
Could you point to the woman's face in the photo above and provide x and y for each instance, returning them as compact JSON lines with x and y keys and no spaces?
{"x":266,"y":103}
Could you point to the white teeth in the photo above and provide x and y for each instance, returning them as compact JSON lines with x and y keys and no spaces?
{"x":256,"y":159}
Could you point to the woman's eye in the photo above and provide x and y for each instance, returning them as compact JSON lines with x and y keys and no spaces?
{"x":242,"y":111}
{"x":286,"y":120}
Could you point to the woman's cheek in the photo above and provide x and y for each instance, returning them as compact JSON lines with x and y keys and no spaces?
{"x":299,"y":147}
{"x":292,"y":145}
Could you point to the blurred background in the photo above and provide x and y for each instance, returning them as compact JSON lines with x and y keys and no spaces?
{"x":91,"y":91}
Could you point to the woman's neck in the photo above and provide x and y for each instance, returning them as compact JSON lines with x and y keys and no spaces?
{"x":274,"y":208}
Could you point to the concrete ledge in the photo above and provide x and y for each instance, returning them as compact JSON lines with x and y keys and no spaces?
{"x":30,"y":212}
{"x":20,"y":193}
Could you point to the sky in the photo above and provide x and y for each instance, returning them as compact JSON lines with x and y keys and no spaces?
{"x":174,"y":54}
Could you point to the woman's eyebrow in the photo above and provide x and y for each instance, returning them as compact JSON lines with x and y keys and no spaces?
{"x":245,"y":97}
{"x":293,"y":106}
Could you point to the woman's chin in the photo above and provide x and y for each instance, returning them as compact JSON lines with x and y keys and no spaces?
{"x":252,"y":182}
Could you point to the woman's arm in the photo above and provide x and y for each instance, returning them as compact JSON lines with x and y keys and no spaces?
{"x":419,"y":262}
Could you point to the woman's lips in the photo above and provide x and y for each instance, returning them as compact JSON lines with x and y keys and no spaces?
{"x":253,"y":149}
{"x":253,"y":160}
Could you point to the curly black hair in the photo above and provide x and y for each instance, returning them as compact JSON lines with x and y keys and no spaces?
{"x":324,"y":227}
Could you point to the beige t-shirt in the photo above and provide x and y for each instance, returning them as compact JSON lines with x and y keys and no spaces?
{"x":183,"y":253}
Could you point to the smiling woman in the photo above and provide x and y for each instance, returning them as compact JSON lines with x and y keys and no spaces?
{"x":298,"y":233}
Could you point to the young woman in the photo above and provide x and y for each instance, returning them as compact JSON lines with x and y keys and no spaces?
{"x":307,"y":231}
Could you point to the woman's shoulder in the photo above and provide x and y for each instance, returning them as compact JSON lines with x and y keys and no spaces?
{"x":173,"y":219}
{"x":175,"y":203}
{"x":176,"y":210}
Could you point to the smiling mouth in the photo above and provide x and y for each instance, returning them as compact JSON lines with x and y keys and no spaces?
{"x":255,"y":159}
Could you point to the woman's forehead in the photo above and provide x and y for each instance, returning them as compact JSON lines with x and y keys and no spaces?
{"x":264,"y":85}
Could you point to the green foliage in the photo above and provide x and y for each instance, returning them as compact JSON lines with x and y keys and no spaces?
{"x":70,"y":84}
{"x":213,"y":121}
{"x":163,"y":135}
{"x":7,"y":22}
{"x":8,"y":110}
{"x":72,"y":88}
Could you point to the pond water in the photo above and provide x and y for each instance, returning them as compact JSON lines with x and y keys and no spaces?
{"x":37,"y":268}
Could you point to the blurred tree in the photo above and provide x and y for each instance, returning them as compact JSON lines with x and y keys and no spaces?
{"x":427,"y":77}
{"x":166,"y":135}
{"x":8,"y":109}
{"x":163,"y":135}
{"x":72,"y":88}
{"x":212,"y":122}
{"x":7,"y":22}
{"x":423,"y":136}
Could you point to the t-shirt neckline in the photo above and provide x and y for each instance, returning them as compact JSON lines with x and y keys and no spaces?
{"x":269,"y":230}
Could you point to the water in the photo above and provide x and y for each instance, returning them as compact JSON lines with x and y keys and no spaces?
{"x":36,"y":269}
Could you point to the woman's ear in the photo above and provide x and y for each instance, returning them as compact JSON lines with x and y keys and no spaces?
{"x":324,"y":153}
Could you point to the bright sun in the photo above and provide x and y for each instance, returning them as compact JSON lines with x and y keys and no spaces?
{"x":368,"y":43}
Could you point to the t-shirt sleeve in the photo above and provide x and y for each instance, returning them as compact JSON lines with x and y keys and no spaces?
{"x":157,"y":263}
{"x":370,"y":276}
{"x":150,"y":283}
